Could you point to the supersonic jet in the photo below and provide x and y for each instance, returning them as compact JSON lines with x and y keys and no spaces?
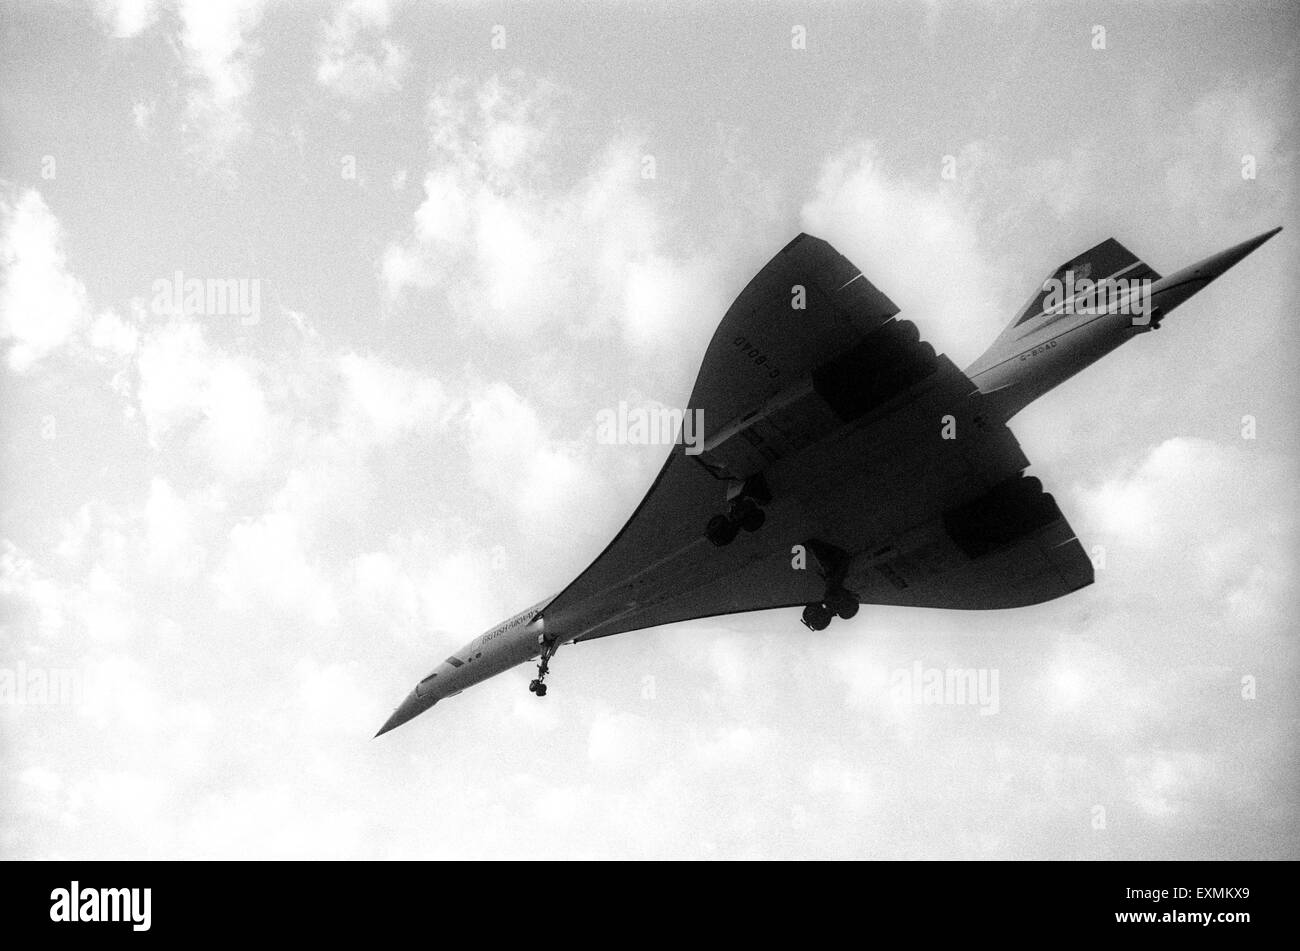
{"x":845,"y":463}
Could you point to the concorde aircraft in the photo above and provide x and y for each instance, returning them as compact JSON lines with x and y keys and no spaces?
{"x":844,"y":462}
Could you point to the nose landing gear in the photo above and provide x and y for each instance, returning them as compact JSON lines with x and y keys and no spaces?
{"x":538,"y":684}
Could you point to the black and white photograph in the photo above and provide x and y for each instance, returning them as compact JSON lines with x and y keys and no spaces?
{"x":648,"y":431}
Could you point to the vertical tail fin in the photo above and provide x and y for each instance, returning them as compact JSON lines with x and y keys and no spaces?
{"x":1089,"y":306}
{"x":1093,"y":282}
{"x":1109,"y":261}
{"x":1084,"y":294}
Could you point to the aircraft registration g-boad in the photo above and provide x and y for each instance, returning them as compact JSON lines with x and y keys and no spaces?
{"x":825,"y":428}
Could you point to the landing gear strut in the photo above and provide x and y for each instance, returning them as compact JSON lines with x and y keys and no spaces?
{"x":538,"y":684}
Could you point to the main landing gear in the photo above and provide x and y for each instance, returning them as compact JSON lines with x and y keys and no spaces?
{"x":838,"y":601}
{"x":744,"y":510}
{"x":538,"y":684}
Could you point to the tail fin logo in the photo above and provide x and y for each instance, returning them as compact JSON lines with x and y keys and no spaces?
{"x":1071,"y":288}
{"x":1078,"y":293}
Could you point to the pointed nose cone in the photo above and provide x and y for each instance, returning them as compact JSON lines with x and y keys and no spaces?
{"x":408,"y":709}
{"x":1218,"y":263}
{"x":1171,"y":290}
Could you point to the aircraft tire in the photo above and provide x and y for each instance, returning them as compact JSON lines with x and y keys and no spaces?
{"x":817,"y":617}
{"x":753,"y":518}
{"x":721,"y":530}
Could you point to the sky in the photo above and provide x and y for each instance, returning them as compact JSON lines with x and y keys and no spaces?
{"x":235,"y":531}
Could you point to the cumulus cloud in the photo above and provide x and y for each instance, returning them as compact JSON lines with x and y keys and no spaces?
{"x":1210,"y":517}
{"x":41,"y":304}
{"x":918,"y":241}
{"x":355,"y":60}
{"x":173,"y":547}
{"x":24,"y":583}
{"x":268,"y":563}
{"x":202,"y":397}
{"x":511,"y":452}
{"x":1231,"y":130}
{"x":331,"y":700}
{"x":515,"y":244}
{"x":620,"y":741}
{"x":215,"y":39}
{"x":389,"y":402}
{"x":127,"y":18}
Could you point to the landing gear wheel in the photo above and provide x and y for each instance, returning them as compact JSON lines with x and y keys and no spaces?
{"x":817,"y":617}
{"x":753,"y":517}
{"x":844,"y":606}
{"x":744,"y":511}
{"x":538,"y":688}
{"x":721,"y":530}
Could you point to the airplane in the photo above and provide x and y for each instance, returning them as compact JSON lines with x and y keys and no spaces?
{"x":844,"y":462}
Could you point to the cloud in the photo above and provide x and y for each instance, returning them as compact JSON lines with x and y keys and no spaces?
{"x":387,"y":402}
{"x":384,"y":589}
{"x":272,"y":821}
{"x":1206,"y":156}
{"x":620,"y":742}
{"x":142,"y":114}
{"x":41,"y":304}
{"x":1215,"y":518}
{"x":114,"y":335}
{"x":507,"y":444}
{"x":268,"y":564}
{"x":218,"y":57}
{"x":1161,"y":784}
{"x":1064,"y":185}
{"x":515,"y":245}
{"x":214,"y":40}
{"x":171,"y":532}
{"x":23,"y":583}
{"x":330,"y":700}
{"x":346,"y":68}
{"x":202,"y":398}
{"x":663,"y":298}
{"x":127,"y":18}
{"x":919,"y":242}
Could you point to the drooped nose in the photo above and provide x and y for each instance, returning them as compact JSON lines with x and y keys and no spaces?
{"x":1220,"y":262}
{"x":1171,"y":290}
{"x":408,"y":709}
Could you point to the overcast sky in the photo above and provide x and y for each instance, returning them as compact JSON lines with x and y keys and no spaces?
{"x":248,"y":533}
